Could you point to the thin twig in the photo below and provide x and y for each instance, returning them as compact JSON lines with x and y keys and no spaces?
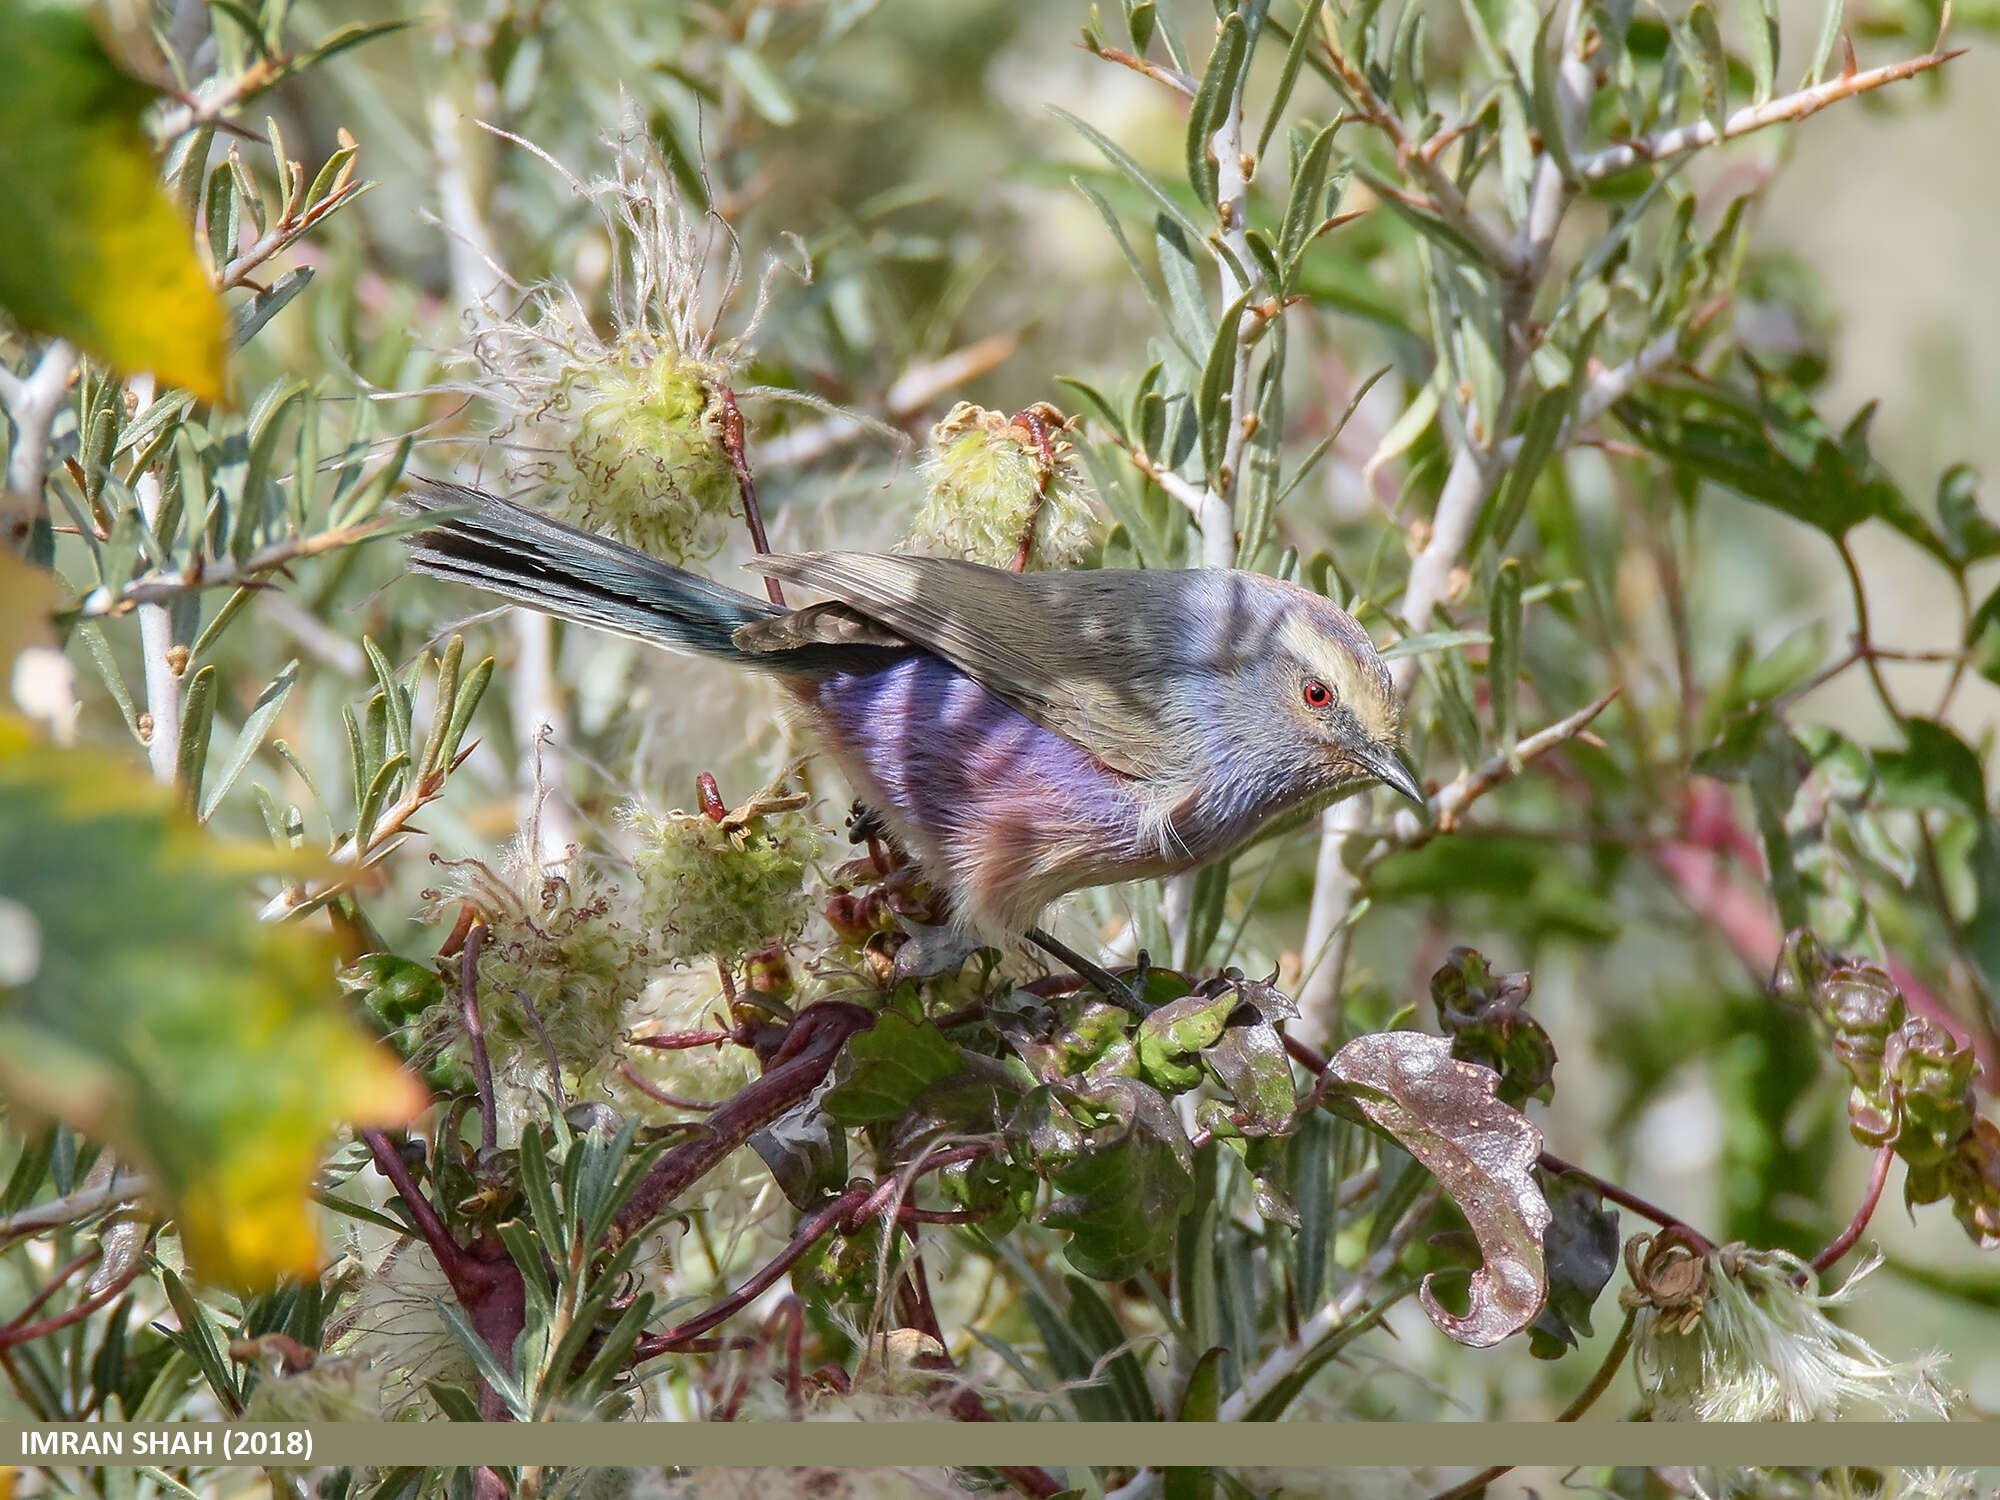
{"x":1607,"y":1371}
{"x":14,"y":1334}
{"x":383,"y":839}
{"x":450,"y":1255}
{"x":1335,"y":1314}
{"x":813,"y":1043}
{"x":808,"y":1234}
{"x":74,"y":1207}
{"x":475,"y":1033}
{"x":1599,"y":165}
{"x":215,"y":573}
{"x":1446,"y":199}
{"x":1173,"y":78}
{"x":1878,"y":1178}
{"x":1548,"y":1161}
{"x":746,"y":484}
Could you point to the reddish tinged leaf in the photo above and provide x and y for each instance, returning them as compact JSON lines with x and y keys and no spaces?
{"x":1445,"y":1113}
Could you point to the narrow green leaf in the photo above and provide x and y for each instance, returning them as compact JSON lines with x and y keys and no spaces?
{"x":219,"y":215}
{"x":1760,"y":23}
{"x":1300,"y":44}
{"x":1099,"y":1332}
{"x":1538,"y":442}
{"x":379,"y":791}
{"x":251,"y":738}
{"x":1097,"y":401}
{"x":761,"y":86}
{"x":259,"y":310}
{"x":1503,"y":662}
{"x":1211,"y":404}
{"x":1548,"y":102}
{"x":1829,"y":35}
{"x":468,"y":700}
{"x":1118,"y":158}
{"x":1429,"y":642}
{"x":1306,"y":200}
{"x":1139,"y":19}
{"x":197,"y":718}
{"x":1212,"y":102}
{"x":1166,"y":314}
{"x":1187,"y":302}
{"x":1270,"y":1406}
{"x":107,"y":669}
{"x":1709,"y":61}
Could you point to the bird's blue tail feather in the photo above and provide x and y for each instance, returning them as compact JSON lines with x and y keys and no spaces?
{"x":524,"y":556}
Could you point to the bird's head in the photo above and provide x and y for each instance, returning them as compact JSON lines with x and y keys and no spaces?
{"x":1334,"y":696}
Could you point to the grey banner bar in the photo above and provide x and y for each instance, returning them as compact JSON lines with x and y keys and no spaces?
{"x":1050,"y":1444}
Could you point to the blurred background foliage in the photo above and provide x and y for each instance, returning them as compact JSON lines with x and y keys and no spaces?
{"x":1683,"y":467}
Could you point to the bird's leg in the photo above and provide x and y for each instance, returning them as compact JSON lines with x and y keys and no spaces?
{"x":1101,"y":979}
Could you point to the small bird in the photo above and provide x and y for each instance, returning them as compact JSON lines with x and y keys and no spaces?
{"x":1023,"y":735}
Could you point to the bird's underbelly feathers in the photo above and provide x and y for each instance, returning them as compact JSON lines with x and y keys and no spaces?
{"x":1010,"y":814}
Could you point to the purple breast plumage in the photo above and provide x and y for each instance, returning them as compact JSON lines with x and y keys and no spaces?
{"x":1016,"y":811}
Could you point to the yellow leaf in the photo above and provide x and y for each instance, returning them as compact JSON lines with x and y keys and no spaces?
{"x":90,"y":247}
{"x":164,"y":1019}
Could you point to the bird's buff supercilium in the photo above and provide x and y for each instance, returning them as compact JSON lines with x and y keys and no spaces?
{"x":1022,"y":734}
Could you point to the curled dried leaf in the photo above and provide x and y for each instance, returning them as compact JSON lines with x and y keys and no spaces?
{"x":1446,"y":1113}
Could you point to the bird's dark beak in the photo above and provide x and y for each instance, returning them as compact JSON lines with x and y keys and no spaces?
{"x":1387,"y":767}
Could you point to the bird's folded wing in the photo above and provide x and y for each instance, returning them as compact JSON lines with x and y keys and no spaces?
{"x":1013,"y":637}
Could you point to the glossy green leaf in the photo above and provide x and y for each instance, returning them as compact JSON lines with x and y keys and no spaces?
{"x":886,"y":1067}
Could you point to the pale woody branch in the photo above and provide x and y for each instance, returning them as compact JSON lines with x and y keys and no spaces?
{"x":1328,"y":1320}
{"x":31,"y":403}
{"x":1685,"y":138}
{"x":154,"y":588}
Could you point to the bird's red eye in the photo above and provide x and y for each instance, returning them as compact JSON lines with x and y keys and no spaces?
{"x":1317,"y":693}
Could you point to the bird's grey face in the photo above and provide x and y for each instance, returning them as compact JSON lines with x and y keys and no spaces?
{"x":1335,"y":694}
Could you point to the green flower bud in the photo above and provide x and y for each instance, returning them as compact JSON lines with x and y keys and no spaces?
{"x":1004,"y":489}
{"x":1931,"y":1076}
{"x":1862,"y":1006}
{"x":842,"y":1267}
{"x":723,"y":889}
{"x":643,"y":457}
{"x":1974,"y":1178}
{"x":1801,"y":969}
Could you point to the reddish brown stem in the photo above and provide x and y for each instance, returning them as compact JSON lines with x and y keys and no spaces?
{"x":1844,"y":1241}
{"x":809,"y":1233}
{"x":673,"y":1100}
{"x":53,"y":1286}
{"x":746,"y":486}
{"x":1698,"y":1242}
{"x":811,"y":1045}
{"x":475,"y":1032}
{"x":1046,"y":469}
{"x":790,"y":1316}
{"x":675,"y":1041}
{"x":389,"y":1162}
{"x":17,"y":1333}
